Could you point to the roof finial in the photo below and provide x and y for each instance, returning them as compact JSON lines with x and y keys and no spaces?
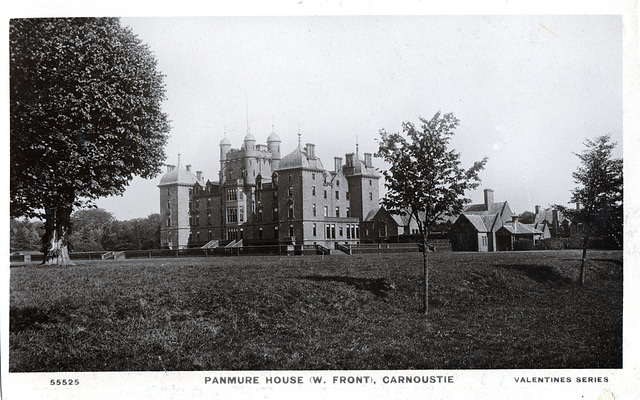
{"x":178,"y":158}
{"x":356,"y":146}
{"x":299,"y":135}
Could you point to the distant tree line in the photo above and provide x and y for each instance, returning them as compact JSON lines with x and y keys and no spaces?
{"x":92,"y":230}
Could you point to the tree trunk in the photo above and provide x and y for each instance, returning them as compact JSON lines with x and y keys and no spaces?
{"x":425,"y":267}
{"x":583,"y":266}
{"x":56,"y":236}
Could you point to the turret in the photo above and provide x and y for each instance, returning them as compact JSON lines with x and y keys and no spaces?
{"x":273,"y":144}
{"x":225,"y":146}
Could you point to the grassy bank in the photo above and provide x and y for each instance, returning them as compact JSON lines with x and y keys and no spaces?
{"x":504,"y":310}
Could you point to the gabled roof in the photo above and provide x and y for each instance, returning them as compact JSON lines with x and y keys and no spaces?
{"x":477,"y":209}
{"x":520,"y":229}
{"x":477,"y":222}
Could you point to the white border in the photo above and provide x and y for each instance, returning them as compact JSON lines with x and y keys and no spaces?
{"x":472,"y":384}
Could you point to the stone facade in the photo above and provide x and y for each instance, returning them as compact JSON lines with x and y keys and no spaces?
{"x":262,"y":198}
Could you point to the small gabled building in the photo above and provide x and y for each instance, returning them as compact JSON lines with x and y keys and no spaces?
{"x":475,"y":229}
{"x":515,"y":235}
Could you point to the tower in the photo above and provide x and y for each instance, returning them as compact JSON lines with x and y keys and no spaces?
{"x":175,"y":191}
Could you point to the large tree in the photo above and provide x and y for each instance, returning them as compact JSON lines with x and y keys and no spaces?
{"x":85,"y":105}
{"x":425,"y":178}
{"x":598,"y":193}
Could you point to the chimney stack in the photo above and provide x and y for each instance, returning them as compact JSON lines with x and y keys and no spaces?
{"x":311,"y":151}
{"x":488,"y":197}
{"x":188,"y":167}
{"x":338,"y":163}
{"x":199,"y":175}
{"x":514,"y":219}
{"x":537,"y":210}
{"x":368,"y":160}
{"x":349,"y":159}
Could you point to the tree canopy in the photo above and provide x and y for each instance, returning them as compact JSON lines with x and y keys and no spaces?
{"x":426,"y":178}
{"x":599,"y":194}
{"x":85,"y":114}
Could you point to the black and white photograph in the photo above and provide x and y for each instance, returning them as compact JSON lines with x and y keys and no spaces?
{"x":276,"y":204}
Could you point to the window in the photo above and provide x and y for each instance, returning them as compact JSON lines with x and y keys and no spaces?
{"x":275,"y":213}
{"x":197,"y":236}
{"x":241,"y":195}
{"x":314,"y":230}
{"x":291,"y":210}
{"x":291,"y":233}
{"x":382,"y":230}
{"x":259,"y":233}
{"x":259,"y":214}
{"x":314,"y":209}
{"x":209,"y":202}
{"x":325,"y":194}
{"x":370,"y":196}
{"x":210,"y":236}
{"x":197,"y":203}
{"x":328,"y":232}
{"x":290,"y":191}
{"x":275,"y":232}
{"x":347,"y":195}
{"x":337,"y":195}
{"x":169,"y":221}
{"x":241,"y":213}
{"x":169,"y":205}
{"x":313,"y":190}
{"x":348,"y":231}
{"x":337,"y":211}
{"x":208,"y":218}
{"x":369,"y":182}
{"x":337,"y":183}
{"x":326,"y":211}
{"x":232,"y":214}
{"x":289,"y":177}
{"x":232,"y":195}
{"x":333,"y":231}
{"x":313,"y":176}
{"x":348,"y":212}
{"x":340,"y":231}
{"x":197,"y":219}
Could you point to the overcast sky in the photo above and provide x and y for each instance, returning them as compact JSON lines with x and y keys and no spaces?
{"x":527,"y":89}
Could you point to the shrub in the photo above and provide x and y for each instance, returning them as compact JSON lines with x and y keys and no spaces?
{"x":523,"y":244}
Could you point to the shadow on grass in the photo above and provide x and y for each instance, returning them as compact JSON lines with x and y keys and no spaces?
{"x":616,"y":262}
{"x":24,"y":318}
{"x":541,"y":273}
{"x":377,"y":286}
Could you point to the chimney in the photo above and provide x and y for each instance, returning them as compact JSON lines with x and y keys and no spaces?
{"x":188,"y":167}
{"x":338,"y":163}
{"x":488,"y":197}
{"x":514,"y":219}
{"x":537,"y":210}
{"x":367,"y":160}
{"x":170,"y":168}
{"x":311,"y":151}
{"x":349,"y":159}
{"x":199,"y":175}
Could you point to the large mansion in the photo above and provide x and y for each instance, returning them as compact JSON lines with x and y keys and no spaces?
{"x":263,"y":198}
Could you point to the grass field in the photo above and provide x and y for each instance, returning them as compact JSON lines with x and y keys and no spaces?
{"x":501,"y":310}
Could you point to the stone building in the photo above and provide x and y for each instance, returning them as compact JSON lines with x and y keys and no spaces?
{"x":263,"y":198}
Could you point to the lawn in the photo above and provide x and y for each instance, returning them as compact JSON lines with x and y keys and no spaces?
{"x":500,"y":310}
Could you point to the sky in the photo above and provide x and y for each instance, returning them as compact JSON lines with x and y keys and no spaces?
{"x":528,"y":91}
